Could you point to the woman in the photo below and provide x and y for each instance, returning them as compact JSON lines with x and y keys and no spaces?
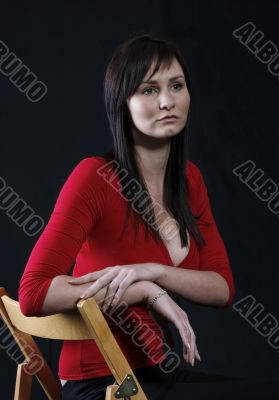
{"x":137,"y":224}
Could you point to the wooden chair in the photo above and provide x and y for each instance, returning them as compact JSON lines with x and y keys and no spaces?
{"x":85,"y":322}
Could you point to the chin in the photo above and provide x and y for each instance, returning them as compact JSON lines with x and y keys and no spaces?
{"x":170,"y":133}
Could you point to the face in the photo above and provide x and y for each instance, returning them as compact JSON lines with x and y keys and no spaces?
{"x":167,"y":95}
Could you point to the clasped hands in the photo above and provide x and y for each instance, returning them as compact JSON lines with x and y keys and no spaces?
{"x":117,"y":279}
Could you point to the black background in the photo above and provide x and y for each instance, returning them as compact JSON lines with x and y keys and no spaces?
{"x":235,"y":118}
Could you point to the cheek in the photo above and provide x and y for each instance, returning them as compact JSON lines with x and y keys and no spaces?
{"x":141,"y":109}
{"x":185,"y":101}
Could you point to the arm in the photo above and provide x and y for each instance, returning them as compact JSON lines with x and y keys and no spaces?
{"x":205,"y":287}
{"x":61,"y":296}
{"x":80,"y":204}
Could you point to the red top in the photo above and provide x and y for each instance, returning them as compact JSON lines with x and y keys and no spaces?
{"x":84,"y":227}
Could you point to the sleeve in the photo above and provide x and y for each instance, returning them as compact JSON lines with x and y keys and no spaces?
{"x":78,"y":207}
{"x":213,"y":255}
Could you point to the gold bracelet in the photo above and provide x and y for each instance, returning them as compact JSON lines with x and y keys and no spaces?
{"x":152,"y":301}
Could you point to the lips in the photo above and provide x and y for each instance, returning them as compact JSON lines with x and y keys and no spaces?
{"x":169,"y":117}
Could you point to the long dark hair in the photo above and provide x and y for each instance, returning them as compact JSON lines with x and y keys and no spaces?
{"x":125,"y":71}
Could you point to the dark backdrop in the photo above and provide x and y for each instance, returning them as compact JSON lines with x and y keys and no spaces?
{"x":234,"y":119}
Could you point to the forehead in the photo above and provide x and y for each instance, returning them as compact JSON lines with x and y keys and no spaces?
{"x":164,"y":71}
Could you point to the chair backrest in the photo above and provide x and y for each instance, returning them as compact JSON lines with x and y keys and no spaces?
{"x":64,"y":326}
{"x":85,"y":322}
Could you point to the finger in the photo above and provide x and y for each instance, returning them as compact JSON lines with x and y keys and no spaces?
{"x":101,"y":301}
{"x":112,"y":288}
{"x":192,"y":341}
{"x":186,"y":349}
{"x":189,"y":346}
{"x":197,"y":354}
{"x":184,"y":333}
{"x":116,"y":289}
{"x":93,"y":289}
{"x":193,"y":346}
{"x":123,"y":285}
{"x":91,"y":276}
{"x":98,"y":284}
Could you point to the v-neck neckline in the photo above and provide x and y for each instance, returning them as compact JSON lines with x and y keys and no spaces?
{"x":167,"y":254}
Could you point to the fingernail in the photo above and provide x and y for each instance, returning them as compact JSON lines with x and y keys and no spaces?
{"x":193,"y":361}
{"x":199,"y":357}
{"x":71,"y":281}
{"x":82,"y":296}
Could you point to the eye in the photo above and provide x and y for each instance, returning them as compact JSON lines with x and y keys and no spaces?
{"x":147,"y":90}
{"x":180,"y":85}
{"x":177,"y":85}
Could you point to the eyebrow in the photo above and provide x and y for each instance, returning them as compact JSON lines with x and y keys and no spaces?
{"x":170,"y":80}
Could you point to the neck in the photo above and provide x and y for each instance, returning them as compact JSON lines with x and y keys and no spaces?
{"x":152,"y":161}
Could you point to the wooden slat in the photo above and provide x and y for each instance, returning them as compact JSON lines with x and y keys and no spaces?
{"x":36,"y":363}
{"x":107,"y":344}
{"x":60,"y":326}
{"x":23,"y":384}
{"x":110,"y":392}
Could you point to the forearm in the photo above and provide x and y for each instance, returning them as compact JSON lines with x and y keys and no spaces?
{"x":61,"y":296}
{"x":206,"y":287}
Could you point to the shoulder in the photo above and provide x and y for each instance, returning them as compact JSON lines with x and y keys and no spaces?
{"x":85,"y":174}
{"x":88,"y":166}
{"x":90,"y":163}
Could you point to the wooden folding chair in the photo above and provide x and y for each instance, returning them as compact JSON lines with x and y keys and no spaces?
{"x":85,"y":322}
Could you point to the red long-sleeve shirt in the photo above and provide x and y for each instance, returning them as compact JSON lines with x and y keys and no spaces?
{"x":84,"y":228}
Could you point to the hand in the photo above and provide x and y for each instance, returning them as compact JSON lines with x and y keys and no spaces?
{"x":117,"y":279}
{"x":168,"y":309}
{"x":163,"y":325}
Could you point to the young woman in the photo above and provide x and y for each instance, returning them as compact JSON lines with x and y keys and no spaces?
{"x":137,"y":224}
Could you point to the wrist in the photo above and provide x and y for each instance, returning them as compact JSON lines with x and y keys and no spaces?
{"x":148,"y":288}
{"x":159,"y":271}
{"x":151,"y":291}
{"x":151,"y":301}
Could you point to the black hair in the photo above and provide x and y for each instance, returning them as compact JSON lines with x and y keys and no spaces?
{"x":125,"y":71}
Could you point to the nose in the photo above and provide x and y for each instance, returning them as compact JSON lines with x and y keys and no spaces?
{"x":166,"y":101}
